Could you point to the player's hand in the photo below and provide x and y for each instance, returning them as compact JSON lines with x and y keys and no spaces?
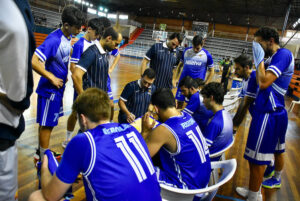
{"x":56,"y":81}
{"x":130,"y":118}
{"x":146,"y":125}
{"x":174,"y":83}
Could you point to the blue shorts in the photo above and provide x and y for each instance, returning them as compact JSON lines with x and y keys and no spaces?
{"x":109,"y":92}
{"x":266,"y":136}
{"x":179,"y":96}
{"x":49,"y":110}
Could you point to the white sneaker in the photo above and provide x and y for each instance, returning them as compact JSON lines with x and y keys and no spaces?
{"x":65,"y":143}
{"x":243,"y":191}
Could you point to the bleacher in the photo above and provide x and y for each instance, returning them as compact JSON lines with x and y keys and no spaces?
{"x":46,"y":17}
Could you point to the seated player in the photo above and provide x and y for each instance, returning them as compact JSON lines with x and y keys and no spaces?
{"x":195,"y":107}
{"x":181,"y":146}
{"x":112,"y":157}
{"x":135,"y":98}
{"x":219,"y":131}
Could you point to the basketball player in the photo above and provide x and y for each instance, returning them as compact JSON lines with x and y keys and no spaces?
{"x":196,"y":61}
{"x":267,"y":131}
{"x":181,"y":146}
{"x":112,"y":157}
{"x":94,"y":29}
{"x":51,"y":62}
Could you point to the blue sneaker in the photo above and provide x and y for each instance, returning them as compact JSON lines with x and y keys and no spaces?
{"x":269,"y":172}
{"x":271,"y":183}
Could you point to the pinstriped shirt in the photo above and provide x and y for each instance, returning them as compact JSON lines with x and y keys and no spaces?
{"x":163,"y":61}
{"x":94,"y":61}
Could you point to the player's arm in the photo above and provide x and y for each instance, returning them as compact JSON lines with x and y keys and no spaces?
{"x":130,"y":116}
{"x":158,"y":137}
{"x":77,"y":79}
{"x":114,"y":64}
{"x":39,"y":67}
{"x":211,"y":72}
{"x":241,"y":111}
{"x":144,"y":65}
{"x":264,"y":78}
{"x":52,"y":187}
{"x":177,"y":73}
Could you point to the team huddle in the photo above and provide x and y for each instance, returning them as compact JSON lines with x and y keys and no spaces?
{"x":119,"y":163}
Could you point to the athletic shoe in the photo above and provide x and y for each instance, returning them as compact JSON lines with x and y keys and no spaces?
{"x":65,"y":143}
{"x":243,"y":191}
{"x":272,"y":183}
{"x":37,"y":157}
{"x":269,"y":172}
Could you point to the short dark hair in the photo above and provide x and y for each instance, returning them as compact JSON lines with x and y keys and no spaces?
{"x":244,"y":60}
{"x":200,"y":82}
{"x":266,"y":33}
{"x":197,"y":40}
{"x":163,"y":98}
{"x":188,"y":82}
{"x":214,"y":89}
{"x":176,"y":35}
{"x":96,"y":25}
{"x":149,"y":72}
{"x":93,"y":103}
{"x":73,"y":16}
{"x":110,"y":32}
{"x":105,"y":22}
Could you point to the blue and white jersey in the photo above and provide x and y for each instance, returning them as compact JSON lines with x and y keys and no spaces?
{"x":115,"y":163}
{"x":196,"y":64}
{"x":115,"y":52}
{"x":189,"y":167}
{"x":55,"y":52}
{"x":78,"y":48}
{"x":219,"y":131}
{"x":198,"y":111}
{"x":272,"y":98}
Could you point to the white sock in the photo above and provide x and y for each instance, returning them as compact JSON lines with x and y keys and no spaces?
{"x":42,"y":151}
{"x":252,"y":196}
{"x":69,"y":135}
{"x":277,"y":175}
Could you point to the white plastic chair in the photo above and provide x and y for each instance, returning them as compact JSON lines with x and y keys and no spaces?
{"x":228,"y":167}
{"x":292,"y":105}
{"x":222,"y":152}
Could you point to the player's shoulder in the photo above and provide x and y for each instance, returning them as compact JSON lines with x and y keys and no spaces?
{"x":283,"y":53}
{"x":79,"y":42}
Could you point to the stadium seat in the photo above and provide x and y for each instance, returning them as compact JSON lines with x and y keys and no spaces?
{"x":228,"y":167}
{"x":222,"y":152}
{"x":292,"y":105}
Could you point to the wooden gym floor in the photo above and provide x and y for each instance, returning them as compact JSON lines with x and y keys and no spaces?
{"x":129,"y":70}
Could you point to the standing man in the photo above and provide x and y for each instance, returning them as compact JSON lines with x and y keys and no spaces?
{"x":163,"y":58}
{"x":135,"y":98}
{"x":95,"y":28}
{"x":92,"y":68}
{"x":226,"y":73}
{"x":195,"y":107}
{"x":51,"y":61}
{"x":196,"y":61}
{"x":181,"y":146}
{"x":16,"y":85}
{"x":113,"y":158}
{"x":219,"y":131}
{"x":267,"y":131}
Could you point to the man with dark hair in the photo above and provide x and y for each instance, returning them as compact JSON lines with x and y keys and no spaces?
{"x":94,"y":29}
{"x":182,"y":149}
{"x":17,"y":46}
{"x":195,"y":107}
{"x":51,"y":62}
{"x":112,"y":157}
{"x":163,"y":59}
{"x":269,"y":123}
{"x":219,"y":131}
{"x":135,"y":98}
{"x":92,"y":68}
{"x":195,"y":61}
{"x":226,"y":73}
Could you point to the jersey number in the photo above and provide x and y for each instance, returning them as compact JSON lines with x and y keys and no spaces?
{"x":131,"y":157}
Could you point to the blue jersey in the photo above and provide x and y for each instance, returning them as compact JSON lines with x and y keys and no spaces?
{"x":196,"y":64}
{"x":272,"y":98}
{"x":250,"y":88}
{"x":78,"y":48}
{"x":55,"y":52}
{"x":189,"y":167}
{"x":115,"y":163}
{"x":198,"y":111}
{"x":219,"y":131}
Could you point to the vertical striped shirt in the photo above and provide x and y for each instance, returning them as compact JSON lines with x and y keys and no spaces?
{"x":94,"y":61}
{"x":163,"y":61}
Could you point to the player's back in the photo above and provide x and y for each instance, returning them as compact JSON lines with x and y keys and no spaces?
{"x":120,"y":167}
{"x":190,"y":166}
